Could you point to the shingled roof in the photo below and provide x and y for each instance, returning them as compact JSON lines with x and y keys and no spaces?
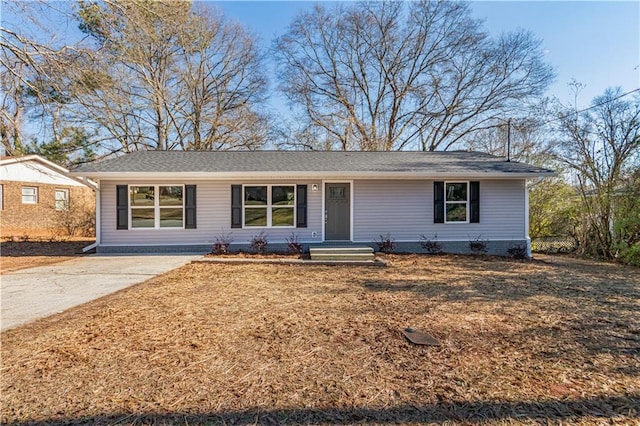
{"x":308,"y":163}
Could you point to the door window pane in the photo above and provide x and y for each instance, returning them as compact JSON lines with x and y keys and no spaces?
{"x":337,"y":193}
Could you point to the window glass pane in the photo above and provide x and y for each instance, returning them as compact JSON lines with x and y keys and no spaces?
{"x":170,"y":195}
{"x":255,"y":195}
{"x":282,"y":216}
{"x":456,"y":192}
{"x":457,"y":212}
{"x":171,"y":218}
{"x":255,"y":217}
{"x":142,"y":195}
{"x":282,"y":195}
{"x":142,"y":218}
{"x":29,"y":195}
{"x":62,"y":196}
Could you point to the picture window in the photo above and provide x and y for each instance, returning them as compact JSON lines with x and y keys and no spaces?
{"x":269,"y":205}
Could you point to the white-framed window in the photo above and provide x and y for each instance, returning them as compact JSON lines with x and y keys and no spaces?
{"x":156,"y":206}
{"x":29,"y":195}
{"x":62,"y":199}
{"x":456,"y":202}
{"x":269,"y":206}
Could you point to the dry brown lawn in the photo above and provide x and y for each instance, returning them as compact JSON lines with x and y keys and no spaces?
{"x":38,"y":252}
{"x":554,"y":340}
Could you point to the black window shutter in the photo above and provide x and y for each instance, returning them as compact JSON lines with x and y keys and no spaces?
{"x":122,"y":207}
{"x":236,"y":206}
{"x":301,"y":206}
{"x":438,"y":202}
{"x":474,"y":201}
{"x":190,"y":207}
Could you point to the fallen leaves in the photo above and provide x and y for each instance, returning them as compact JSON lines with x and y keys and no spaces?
{"x":298,"y":344}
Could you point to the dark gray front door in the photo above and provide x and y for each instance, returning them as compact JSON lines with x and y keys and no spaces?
{"x":337,"y":222}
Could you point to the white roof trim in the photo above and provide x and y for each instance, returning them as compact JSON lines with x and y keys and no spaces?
{"x":307,"y":175}
{"x":51,"y":165}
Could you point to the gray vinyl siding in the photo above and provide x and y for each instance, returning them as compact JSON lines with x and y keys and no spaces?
{"x":405,"y":210}
{"x":399,"y":207}
{"x":213,"y":217}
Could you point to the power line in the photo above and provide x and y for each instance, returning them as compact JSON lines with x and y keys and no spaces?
{"x":591,"y":107}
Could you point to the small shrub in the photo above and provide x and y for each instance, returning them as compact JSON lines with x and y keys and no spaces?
{"x":431,"y":246}
{"x":259,"y":242}
{"x":478,"y":246}
{"x":629,"y":254}
{"x":518,"y":252}
{"x":222,"y":243}
{"x":293,"y":246}
{"x":78,"y":218}
{"x":386,"y":244}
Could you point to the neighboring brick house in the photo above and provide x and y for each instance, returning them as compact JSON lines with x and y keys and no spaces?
{"x":41,"y":199}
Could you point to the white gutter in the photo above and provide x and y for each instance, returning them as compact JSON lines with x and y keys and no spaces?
{"x":308,"y":175}
{"x":91,"y":184}
{"x":89,"y":247}
{"x":98,"y":219}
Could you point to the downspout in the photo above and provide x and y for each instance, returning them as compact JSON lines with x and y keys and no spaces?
{"x":526,"y":218}
{"x":98,"y":227}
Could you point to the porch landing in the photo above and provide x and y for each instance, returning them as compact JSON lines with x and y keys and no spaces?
{"x":346,"y":253}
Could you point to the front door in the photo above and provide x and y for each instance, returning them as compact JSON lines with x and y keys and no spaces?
{"x":337,"y":214}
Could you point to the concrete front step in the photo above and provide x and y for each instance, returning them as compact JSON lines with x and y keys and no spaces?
{"x":341,"y":253}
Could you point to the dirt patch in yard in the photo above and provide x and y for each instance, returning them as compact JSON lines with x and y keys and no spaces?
{"x":522,"y":342}
{"x":16,"y":255}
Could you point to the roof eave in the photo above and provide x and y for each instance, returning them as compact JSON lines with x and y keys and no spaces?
{"x":309,"y":175}
{"x":52,"y":166}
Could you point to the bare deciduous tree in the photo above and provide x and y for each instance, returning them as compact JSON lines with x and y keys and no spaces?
{"x":25,"y":62}
{"x":147,"y":75}
{"x":392,"y":75}
{"x":602,"y":146}
{"x":172,"y":77}
{"x":223,"y":81}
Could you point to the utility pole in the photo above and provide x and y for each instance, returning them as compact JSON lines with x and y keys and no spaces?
{"x":508,"y":140}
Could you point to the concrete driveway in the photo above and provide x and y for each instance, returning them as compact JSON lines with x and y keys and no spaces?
{"x":34,"y":293}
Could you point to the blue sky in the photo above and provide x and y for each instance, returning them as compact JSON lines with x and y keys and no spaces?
{"x":595,"y":43}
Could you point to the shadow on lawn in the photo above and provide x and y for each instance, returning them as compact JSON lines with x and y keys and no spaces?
{"x":43,"y":248}
{"x":599,"y":309}
{"x":598,"y":408}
